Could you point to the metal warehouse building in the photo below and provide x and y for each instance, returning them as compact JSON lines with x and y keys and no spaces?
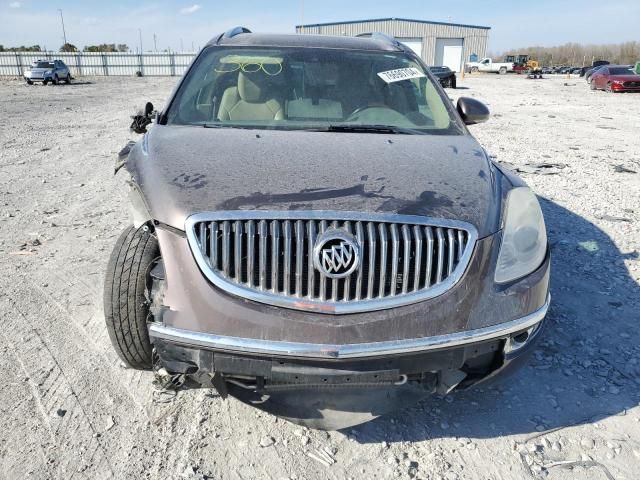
{"x":437,"y":43}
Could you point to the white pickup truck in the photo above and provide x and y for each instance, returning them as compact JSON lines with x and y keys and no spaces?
{"x":488,"y":65}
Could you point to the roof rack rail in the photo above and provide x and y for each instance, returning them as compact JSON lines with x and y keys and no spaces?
{"x":232,"y":32}
{"x":382,"y":37}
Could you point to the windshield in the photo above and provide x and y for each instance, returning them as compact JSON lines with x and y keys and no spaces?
{"x":621,"y":71}
{"x":42,"y":65}
{"x":311,"y":88}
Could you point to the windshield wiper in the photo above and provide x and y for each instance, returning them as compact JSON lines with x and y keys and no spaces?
{"x":389,"y":129}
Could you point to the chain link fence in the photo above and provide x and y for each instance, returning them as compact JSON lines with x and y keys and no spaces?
{"x":14,"y":64}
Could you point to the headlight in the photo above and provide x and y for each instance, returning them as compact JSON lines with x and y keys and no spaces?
{"x":48,"y":72}
{"x":524,"y":237}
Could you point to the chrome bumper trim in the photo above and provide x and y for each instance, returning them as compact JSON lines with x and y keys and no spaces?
{"x":355,"y":350}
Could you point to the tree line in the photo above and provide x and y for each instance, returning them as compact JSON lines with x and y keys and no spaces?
{"x":578,"y":54}
{"x":69,"y":47}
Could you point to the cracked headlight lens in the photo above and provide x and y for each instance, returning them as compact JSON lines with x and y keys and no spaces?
{"x":524,"y":237}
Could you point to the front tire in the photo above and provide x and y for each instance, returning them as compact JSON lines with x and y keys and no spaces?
{"x":29,"y":82}
{"x":452,"y":82}
{"x":502,"y":71}
{"x":56,"y":80}
{"x":126,"y":304}
{"x":68,"y":79}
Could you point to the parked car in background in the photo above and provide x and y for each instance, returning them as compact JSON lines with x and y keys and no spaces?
{"x":332,"y":281}
{"x":593,"y":66}
{"x":46,"y":71}
{"x":615,"y":78}
{"x":590,"y":72}
{"x":488,"y":65}
{"x":446,"y":76}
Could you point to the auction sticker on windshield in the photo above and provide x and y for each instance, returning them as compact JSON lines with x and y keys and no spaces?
{"x":400,"y":74}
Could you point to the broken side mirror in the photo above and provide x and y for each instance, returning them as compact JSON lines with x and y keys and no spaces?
{"x":472,"y":111}
{"x":143,"y":119}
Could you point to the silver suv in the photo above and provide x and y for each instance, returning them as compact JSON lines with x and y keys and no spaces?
{"x":46,"y":71}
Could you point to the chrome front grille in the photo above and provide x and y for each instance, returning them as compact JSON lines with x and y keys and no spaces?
{"x":268,"y":257}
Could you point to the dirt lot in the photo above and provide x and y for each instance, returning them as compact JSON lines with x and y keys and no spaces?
{"x":68,"y":409}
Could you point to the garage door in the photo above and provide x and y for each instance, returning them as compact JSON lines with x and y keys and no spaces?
{"x":414,"y":44}
{"x":449,"y":53}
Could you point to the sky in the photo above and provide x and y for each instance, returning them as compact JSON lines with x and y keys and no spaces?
{"x":185,"y":24}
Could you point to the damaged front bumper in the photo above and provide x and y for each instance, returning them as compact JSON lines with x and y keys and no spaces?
{"x":449,"y":360}
{"x":278,"y":349}
{"x":299,"y":381}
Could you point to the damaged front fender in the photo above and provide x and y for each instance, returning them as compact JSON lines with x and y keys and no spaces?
{"x":140,"y":212}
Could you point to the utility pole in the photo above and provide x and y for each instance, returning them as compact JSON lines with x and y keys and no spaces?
{"x":301,"y":16}
{"x":193,"y":47}
{"x":64,"y":34}
{"x":155,"y":46}
{"x":181,"y":46}
{"x":140,"y":35}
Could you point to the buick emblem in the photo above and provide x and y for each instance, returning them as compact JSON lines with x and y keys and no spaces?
{"x":336,"y":253}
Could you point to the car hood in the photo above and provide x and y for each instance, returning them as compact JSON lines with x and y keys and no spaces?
{"x":185,"y":170}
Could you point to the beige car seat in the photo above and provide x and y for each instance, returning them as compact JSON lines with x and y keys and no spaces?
{"x":251,"y":99}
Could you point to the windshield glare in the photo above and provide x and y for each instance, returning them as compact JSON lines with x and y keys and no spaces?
{"x":310,"y":88}
{"x":42,"y":65}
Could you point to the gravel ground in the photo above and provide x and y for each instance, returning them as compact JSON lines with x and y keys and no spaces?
{"x":68,"y":409}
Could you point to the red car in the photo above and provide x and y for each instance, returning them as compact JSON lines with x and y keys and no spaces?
{"x":615,"y":78}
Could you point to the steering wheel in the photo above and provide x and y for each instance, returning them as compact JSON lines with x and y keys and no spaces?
{"x":366,"y":107}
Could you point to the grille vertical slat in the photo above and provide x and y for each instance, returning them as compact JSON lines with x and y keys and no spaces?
{"x":406,"y":258}
{"x":429,"y":263}
{"x":417,"y":261}
{"x":262,"y":241}
{"x":395,"y":258}
{"x":371,"y":229}
{"x":299,"y":258}
{"x":347,"y":281}
{"x":323,"y":279}
{"x":226,"y":248}
{"x":237,"y":251}
{"x":440,"y":268}
{"x":213,"y":244}
{"x":277,"y":256}
{"x":359,"y":271}
{"x":251,"y":232}
{"x":311,"y":273}
{"x":451,"y":250}
{"x":383,"y":259}
{"x":203,"y":238}
{"x":286,"y":264}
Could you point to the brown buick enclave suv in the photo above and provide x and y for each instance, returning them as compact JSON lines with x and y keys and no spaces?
{"x":316,"y":233}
